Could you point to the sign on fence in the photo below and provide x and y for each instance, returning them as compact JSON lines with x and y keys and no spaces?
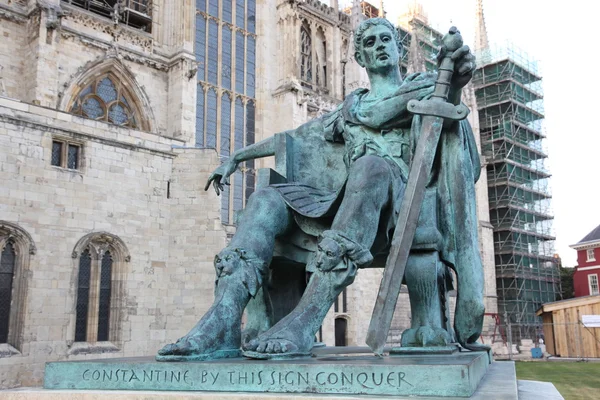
{"x":591,"y":321}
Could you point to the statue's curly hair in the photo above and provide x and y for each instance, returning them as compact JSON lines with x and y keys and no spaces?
{"x":366,"y":24}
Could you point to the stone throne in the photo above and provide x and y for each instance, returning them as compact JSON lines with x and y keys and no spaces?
{"x":306,"y":157}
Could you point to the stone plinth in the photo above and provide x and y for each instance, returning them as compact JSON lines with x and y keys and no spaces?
{"x":500,"y":383}
{"x":458,"y":375}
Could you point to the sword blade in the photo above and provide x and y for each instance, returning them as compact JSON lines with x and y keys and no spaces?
{"x":404,"y":233}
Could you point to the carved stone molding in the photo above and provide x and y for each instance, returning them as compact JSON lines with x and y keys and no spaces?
{"x":100,"y":242}
{"x":119,"y":33}
{"x":19,"y":235}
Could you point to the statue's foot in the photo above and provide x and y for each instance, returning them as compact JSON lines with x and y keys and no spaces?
{"x":287,"y":339}
{"x":468,"y":323}
{"x":212,"y":338}
{"x":425,"y":336}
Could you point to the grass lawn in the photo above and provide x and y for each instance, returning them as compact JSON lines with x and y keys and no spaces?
{"x":574,"y":380}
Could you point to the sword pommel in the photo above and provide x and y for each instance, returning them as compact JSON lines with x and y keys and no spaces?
{"x":452,"y":40}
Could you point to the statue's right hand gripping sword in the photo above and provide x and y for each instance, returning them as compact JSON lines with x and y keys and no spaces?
{"x":434,"y":111}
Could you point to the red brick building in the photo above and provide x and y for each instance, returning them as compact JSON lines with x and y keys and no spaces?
{"x":587,"y":273}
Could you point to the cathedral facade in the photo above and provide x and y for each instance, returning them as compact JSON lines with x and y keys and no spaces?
{"x":113,"y":114}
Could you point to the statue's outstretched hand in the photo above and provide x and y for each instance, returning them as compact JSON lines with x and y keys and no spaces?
{"x":221,"y":176}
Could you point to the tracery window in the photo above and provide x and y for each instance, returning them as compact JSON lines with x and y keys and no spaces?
{"x":225,"y":104}
{"x":16,"y":247}
{"x":305,"y":53}
{"x":99,"y":257}
{"x":106,"y":99}
{"x":321,"y":59}
{"x":92,"y":312}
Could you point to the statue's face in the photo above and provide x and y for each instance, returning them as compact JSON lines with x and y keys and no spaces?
{"x":379,"y":50}
{"x":329,"y":254}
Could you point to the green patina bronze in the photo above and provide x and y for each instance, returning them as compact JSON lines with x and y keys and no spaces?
{"x":408,"y":375}
{"x":331,"y":208}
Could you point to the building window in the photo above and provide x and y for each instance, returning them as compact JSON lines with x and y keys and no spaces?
{"x":225,"y":103}
{"x":305,"y":53}
{"x":7,"y":272}
{"x":100,"y":257}
{"x":66,"y":154}
{"x":106,"y":99}
{"x":16,"y":247}
{"x":135,"y":13}
{"x":590,"y":255}
{"x":593,"y":284}
{"x":341,"y":331}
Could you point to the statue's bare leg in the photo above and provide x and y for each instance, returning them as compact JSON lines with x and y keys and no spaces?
{"x":353,"y":232}
{"x":240,"y":271}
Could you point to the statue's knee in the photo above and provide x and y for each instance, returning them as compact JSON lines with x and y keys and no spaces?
{"x":265,"y":197}
{"x":368,"y":172}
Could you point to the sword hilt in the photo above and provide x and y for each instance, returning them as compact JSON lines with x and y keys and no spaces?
{"x":452,"y":41}
{"x":438,"y":105}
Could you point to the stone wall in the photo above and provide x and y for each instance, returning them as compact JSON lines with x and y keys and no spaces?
{"x":132,"y":185}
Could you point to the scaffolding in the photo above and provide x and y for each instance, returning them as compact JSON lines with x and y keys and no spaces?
{"x":415,"y":24}
{"x":510,"y":105}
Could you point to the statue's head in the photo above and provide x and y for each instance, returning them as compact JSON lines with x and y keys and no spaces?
{"x":377,"y":44}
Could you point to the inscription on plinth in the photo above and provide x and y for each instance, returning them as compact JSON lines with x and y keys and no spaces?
{"x":422,"y":375}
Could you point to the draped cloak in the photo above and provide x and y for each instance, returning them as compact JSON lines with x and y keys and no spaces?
{"x":448,"y":221}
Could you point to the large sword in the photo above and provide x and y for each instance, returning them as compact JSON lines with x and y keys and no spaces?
{"x":434,"y":112}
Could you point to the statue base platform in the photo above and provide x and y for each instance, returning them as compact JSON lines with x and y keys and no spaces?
{"x":329,"y":372}
{"x":499,"y":383}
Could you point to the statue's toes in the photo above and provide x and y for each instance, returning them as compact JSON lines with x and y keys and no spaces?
{"x":174,"y":349}
{"x":251,"y":345}
{"x":167,"y":350}
{"x":262,"y":347}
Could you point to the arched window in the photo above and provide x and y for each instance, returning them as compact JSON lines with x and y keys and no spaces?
{"x":107,"y":99}
{"x":305,"y":53}
{"x":101,"y":258}
{"x":16,"y":247}
{"x":321,"y":58}
{"x":7,"y":272}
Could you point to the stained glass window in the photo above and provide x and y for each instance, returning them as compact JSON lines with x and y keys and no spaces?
{"x":239,"y":62}
{"x":238,"y":183}
{"x":106,"y":99}
{"x":200,"y":117}
{"x":226,"y":58}
{"x":250,"y":138}
{"x":104,"y":300}
{"x":213,"y":51}
{"x":240,"y":13}
{"x":225,"y":151}
{"x":227,"y":9}
{"x":201,"y":5}
{"x":213,"y":7}
{"x":305,"y":54}
{"x":7,"y":271}
{"x":250,"y":66}
{"x":201,"y":46}
{"x":211,"y":119}
{"x":251,"y":16}
{"x":83,"y":296}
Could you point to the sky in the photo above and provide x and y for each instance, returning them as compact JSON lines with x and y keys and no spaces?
{"x":562,"y":37}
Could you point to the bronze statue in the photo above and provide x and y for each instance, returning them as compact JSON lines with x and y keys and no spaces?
{"x":352,"y":223}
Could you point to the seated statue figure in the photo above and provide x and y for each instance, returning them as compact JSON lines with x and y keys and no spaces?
{"x":379,"y":137}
